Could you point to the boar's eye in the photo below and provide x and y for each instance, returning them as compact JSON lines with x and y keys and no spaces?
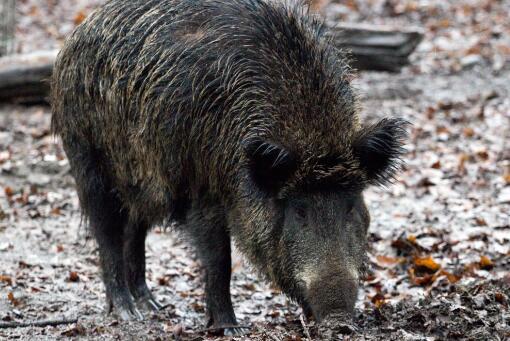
{"x":379,"y":149}
{"x":300,"y":209}
{"x":270,"y":164}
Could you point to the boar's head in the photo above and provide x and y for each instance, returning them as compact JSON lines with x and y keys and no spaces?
{"x":303,"y":220}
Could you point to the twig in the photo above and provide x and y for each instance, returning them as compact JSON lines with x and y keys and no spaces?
{"x":214,"y":329}
{"x":274,"y":337}
{"x":168,"y":305}
{"x":305,"y":327}
{"x":43,"y":323}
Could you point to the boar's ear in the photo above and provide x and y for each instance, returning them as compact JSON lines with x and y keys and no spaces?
{"x":270,"y":164}
{"x":379,"y":149}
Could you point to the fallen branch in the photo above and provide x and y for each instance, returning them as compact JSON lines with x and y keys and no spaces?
{"x":377,"y":47}
{"x":25,"y":78}
{"x":220,"y":328}
{"x":43,"y":323}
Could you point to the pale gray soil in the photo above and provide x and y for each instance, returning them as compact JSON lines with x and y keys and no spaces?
{"x":452,"y":203}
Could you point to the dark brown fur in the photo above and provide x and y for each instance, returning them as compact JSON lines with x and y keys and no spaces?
{"x":235,"y":118}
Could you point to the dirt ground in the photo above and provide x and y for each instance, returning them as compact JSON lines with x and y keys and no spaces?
{"x":439,"y":238}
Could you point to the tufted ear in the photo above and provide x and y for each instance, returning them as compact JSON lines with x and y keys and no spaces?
{"x":379,"y":149}
{"x":270,"y":164}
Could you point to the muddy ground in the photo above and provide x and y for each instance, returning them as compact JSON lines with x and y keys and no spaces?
{"x":440,"y":236}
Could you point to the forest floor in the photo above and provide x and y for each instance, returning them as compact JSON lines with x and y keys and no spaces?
{"x":439,"y":237}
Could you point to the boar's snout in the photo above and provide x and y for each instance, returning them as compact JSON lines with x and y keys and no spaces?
{"x":332,"y":294}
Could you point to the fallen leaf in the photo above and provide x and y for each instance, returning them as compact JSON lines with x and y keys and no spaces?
{"x":74,"y":331}
{"x":6,"y":279}
{"x":469,"y":132}
{"x":9,"y":191}
{"x":15,"y":302}
{"x":506,"y":178}
{"x":462,"y":163}
{"x":451,"y":277}
{"x":480,"y":221}
{"x":420,"y":280}
{"x":442,"y":130}
{"x":56,"y":211}
{"x":483,"y":154}
{"x":500,"y":297}
{"x":436,"y":165}
{"x":486,"y":263}
{"x":426,"y":264}
{"x":79,"y":17}
{"x":378,"y":300}
{"x":163,"y":280}
{"x":387,"y":260}
{"x":24,"y":265}
{"x":74,"y":277}
{"x":411,"y":239}
{"x":177,"y":331}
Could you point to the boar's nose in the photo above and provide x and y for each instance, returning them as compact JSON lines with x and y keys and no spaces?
{"x":332,"y":293}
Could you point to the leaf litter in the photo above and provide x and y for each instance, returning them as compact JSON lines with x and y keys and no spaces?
{"x":439,"y":239}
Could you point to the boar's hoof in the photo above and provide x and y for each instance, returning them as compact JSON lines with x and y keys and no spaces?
{"x":148,"y":303}
{"x":129,"y":313}
{"x":144,"y":298}
{"x":124,"y":307}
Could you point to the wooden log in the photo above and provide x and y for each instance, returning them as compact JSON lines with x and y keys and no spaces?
{"x":25,"y":78}
{"x":377,"y":47}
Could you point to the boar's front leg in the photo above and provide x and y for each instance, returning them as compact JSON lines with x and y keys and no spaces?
{"x":209,"y":234}
{"x":134,"y":265}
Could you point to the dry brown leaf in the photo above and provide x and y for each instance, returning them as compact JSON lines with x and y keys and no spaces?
{"x":420,"y":280}
{"x":383,"y":260}
{"x":6,"y":279}
{"x":430,"y":112}
{"x":500,"y":297}
{"x":74,"y":277}
{"x":56,"y":211}
{"x":34,"y":11}
{"x":486,"y":263}
{"x":79,"y":17}
{"x":411,"y":239}
{"x":451,"y":277}
{"x":442,"y":130}
{"x":469,"y":132}
{"x":506,"y":178}
{"x":378,"y":300}
{"x":462,"y":163}
{"x":480,"y":221}
{"x":15,"y":302}
{"x":163,"y":280}
{"x":427,"y":264}
{"x":8,"y":191}
{"x":436,"y":165}
{"x":483,"y":154}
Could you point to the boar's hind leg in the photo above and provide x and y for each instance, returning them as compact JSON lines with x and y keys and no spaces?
{"x":107,"y":221}
{"x":134,"y":263}
{"x":212,"y":242}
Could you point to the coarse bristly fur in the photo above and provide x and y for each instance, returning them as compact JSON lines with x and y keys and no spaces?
{"x":234,"y":118}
